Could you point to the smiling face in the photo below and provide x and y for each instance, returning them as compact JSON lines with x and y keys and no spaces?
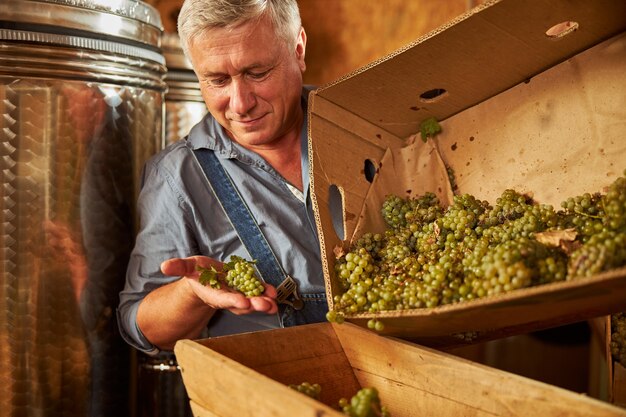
{"x":251,"y":81}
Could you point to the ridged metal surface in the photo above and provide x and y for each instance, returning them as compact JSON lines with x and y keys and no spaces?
{"x":161,"y":389}
{"x":184,"y":106}
{"x":76,"y":125}
{"x":181,"y":116}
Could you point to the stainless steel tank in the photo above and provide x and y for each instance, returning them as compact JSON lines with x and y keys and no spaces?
{"x":81,"y":104}
{"x":161,"y":389}
{"x":184,"y":106}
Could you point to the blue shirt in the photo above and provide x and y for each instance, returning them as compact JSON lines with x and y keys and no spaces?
{"x":180,"y":217}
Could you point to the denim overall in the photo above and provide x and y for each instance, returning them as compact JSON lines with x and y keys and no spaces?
{"x":314,"y":306}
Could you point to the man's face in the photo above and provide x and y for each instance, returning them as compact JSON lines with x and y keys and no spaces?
{"x":251,"y":81}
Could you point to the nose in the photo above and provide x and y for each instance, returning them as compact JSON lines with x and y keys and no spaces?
{"x":242,"y":98}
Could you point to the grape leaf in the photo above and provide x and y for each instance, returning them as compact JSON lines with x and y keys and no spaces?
{"x":556,"y":237}
{"x":209,"y":276}
{"x":429,"y":128}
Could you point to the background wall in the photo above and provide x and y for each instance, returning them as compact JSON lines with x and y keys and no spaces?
{"x":344,"y":35}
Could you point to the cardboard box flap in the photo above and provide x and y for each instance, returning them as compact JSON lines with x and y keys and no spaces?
{"x":503,"y":44}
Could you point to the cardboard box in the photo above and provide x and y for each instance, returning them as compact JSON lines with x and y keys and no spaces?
{"x":248,"y":375}
{"x":530,"y":96}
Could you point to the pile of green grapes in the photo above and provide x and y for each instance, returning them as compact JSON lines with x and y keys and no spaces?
{"x":238,"y":274}
{"x":432,"y":255}
{"x":618,"y":337}
{"x":365,"y":403}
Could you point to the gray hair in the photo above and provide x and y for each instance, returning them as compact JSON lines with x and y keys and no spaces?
{"x":197,"y":16}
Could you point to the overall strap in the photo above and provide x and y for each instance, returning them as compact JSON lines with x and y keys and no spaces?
{"x":240,"y":217}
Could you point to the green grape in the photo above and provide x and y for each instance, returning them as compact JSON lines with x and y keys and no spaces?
{"x":238,"y":274}
{"x":452,"y":179}
{"x":509,"y":206}
{"x":430,"y":255}
{"x":370,"y":242}
{"x":334,"y":317}
{"x":241,"y":276}
{"x":585,"y":213}
{"x":394,"y":210}
{"x":398,"y":212}
{"x":306,"y":388}
{"x":423,"y":209}
{"x":375,"y":324}
{"x":618,"y":337}
{"x":614,"y":203}
{"x":365,"y":403}
{"x":603,"y":251}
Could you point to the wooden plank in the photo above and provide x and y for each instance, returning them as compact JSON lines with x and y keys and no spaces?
{"x":619,"y":384}
{"x":289,"y":344}
{"x":411,"y":377}
{"x":199,"y":411}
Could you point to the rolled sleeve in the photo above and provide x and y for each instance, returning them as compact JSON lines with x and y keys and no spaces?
{"x":130,"y":332}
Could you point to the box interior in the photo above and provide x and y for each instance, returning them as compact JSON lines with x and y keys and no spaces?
{"x":314,"y":355}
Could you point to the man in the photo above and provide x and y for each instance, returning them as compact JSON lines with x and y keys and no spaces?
{"x":249,"y":59}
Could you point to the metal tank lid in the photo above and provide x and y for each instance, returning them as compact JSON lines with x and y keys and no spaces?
{"x":129,"y":27}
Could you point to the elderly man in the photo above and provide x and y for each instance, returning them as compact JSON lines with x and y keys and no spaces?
{"x":237,"y":185}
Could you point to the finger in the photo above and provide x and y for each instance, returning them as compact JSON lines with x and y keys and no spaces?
{"x":258,"y":304}
{"x":221,"y":298}
{"x":234,"y":300}
{"x":188,"y":266}
{"x":179,"y":267}
{"x":270,"y":291}
{"x":264,"y":304}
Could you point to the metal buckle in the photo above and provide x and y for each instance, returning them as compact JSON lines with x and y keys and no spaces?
{"x":286,"y":290}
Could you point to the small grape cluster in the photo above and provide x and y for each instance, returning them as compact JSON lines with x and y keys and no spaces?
{"x":306,"y":388}
{"x":618,"y":337}
{"x":585,"y":213}
{"x":430,"y":255}
{"x":375,"y":324}
{"x":365,"y":403}
{"x":238,"y":274}
{"x":602,"y":252}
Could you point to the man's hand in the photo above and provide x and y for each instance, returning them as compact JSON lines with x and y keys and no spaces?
{"x":224,"y":298}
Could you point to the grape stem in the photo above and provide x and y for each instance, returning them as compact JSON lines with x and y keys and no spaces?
{"x":587,"y":215}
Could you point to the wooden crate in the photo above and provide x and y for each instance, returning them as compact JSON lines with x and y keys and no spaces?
{"x":247,"y":375}
{"x":618,"y":386}
{"x":616,"y":375}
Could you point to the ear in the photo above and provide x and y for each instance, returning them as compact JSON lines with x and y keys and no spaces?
{"x":301,"y":49}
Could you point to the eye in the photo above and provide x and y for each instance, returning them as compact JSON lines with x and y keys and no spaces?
{"x":258,"y":75}
{"x":218,"y":82}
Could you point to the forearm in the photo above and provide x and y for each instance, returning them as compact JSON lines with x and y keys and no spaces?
{"x":173,"y":312}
